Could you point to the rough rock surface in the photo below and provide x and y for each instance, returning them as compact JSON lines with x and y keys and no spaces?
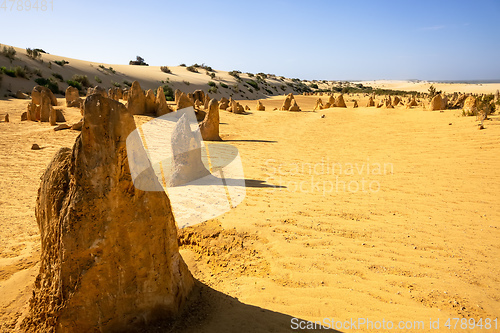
{"x":36,"y":95}
{"x":209,"y":128}
{"x":355,"y":104}
{"x":470,"y":105}
{"x":187,"y":162}
{"x":260,"y":106}
{"x":370,"y":102}
{"x":436,"y":103}
{"x":287,"y":102}
{"x":136,"y":99}
{"x":184,"y":101}
{"x":150,"y":102}
{"x":339,"y":102}
{"x":319,"y":104}
{"x":161,"y":103}
{"x":294,"y":106}
{"x":72,"y":94}
{"x":224,"y":103}
{"x":109,"y":255}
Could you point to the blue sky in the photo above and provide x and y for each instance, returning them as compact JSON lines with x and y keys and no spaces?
{"x":332,"y":40}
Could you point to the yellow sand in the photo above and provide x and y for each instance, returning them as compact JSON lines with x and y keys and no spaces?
{"x":421,"y":243}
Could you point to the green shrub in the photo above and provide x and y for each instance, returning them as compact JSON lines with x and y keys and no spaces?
{"x":97,"y":79}
{"x":75,"y":84}
{"x":49,"y":83}
{"x":212,"y":90}
{"x":83,"y":79}
{"x":9,"y":53}
{"x":250,"y":75}
{"x":186,"y":82}
{"x":192,"y":69}
{"x":182,"y":65}
{"x":20,"y":72}
{"x":223,"y":85}
{"x":270,"y":92}
{"x":254,"y":84}
{"x":34,"y":54}
{"x":211,"y":83}
{"x":37,"y":72}
{"x":127,"y":83}
{"x":169,"y":93}
{"x":102,"y":67}
{"x":8,"y":72}
{"x":61,"y":62}
{"x":283,"y":87}
{"x":235,"y":74}
{"x":165,"y":69}
{"x":58,"y":76}
{"x":112,"y":70}
{"x":314,"y":86}
{"x":116,"y":84}
{"x":139,"y":61}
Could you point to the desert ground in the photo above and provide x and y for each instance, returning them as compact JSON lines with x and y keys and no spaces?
{"x":410,"y":232}
{"x":383,"y":214}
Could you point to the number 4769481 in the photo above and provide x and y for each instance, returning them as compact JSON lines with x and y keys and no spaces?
{"x":27,"y":5}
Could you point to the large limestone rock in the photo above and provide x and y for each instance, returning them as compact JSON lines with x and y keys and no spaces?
{"x":97,"y":90}
{"x":436,"y":103}
{"x":470,"y":105}
{"x":294,"y":106}
{"x":370,"y":102}
{"x":209,"y":128}
{"x":31,"y":112}
{"x":36,"y":95}
{"x":187,"y":162}
{"x":45,"y":107}
{"x":109,"y":256}
{"x":339,"y":102}
{"x":115,"y":93}
{"x":260,"y":106}
{"x":184,"y":101}
{"x":331,"y":100}
{"x":287,"y":102}
{"x":224,"y":103}
{"x":396,"y":101}
{"x":72,"y":94}
{"x":161,"y":103}
{"x":177,"y":94}
{"x":319,"y":104}
{"x":199,"y":95}
{"x":136,"y":99}
{"x":150,"y":102}
{"x":355,"y":104}
{"x":206,"y":102}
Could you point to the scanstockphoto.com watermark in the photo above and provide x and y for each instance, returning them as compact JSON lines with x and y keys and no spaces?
{"x":487,"y":324}
{"x":327,"y":177}
{"x":26,"y":5}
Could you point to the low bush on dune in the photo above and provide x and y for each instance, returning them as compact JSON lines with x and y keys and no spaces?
{"x":37,"y":72}
{"x":17,"y":71}
{"x":116,"y":84}
{"x":34,"y":54}
{"x":211,"y":84}
{"x":20,"y":72}
{"x":139,"y":61}
{"x":254,"y":84}
{"x":9,"y":53}
{"x":83,"y":79}
{"x":223,"y":85}
{"x":187,"y":83}
{"x":97,"y":79}
{"x":314,"y":86}
{"x":49,"y":83}
{"x":182,"y":65}
{"x":61,"y":62}
{"x":127,"y":83}
{"x":212,"y":90}
{"x":165,"y":69}
{"x":192,"y":69}
{"x":58,"y":76}
{"x":269,"y":92}
{"x":75,"y":84}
